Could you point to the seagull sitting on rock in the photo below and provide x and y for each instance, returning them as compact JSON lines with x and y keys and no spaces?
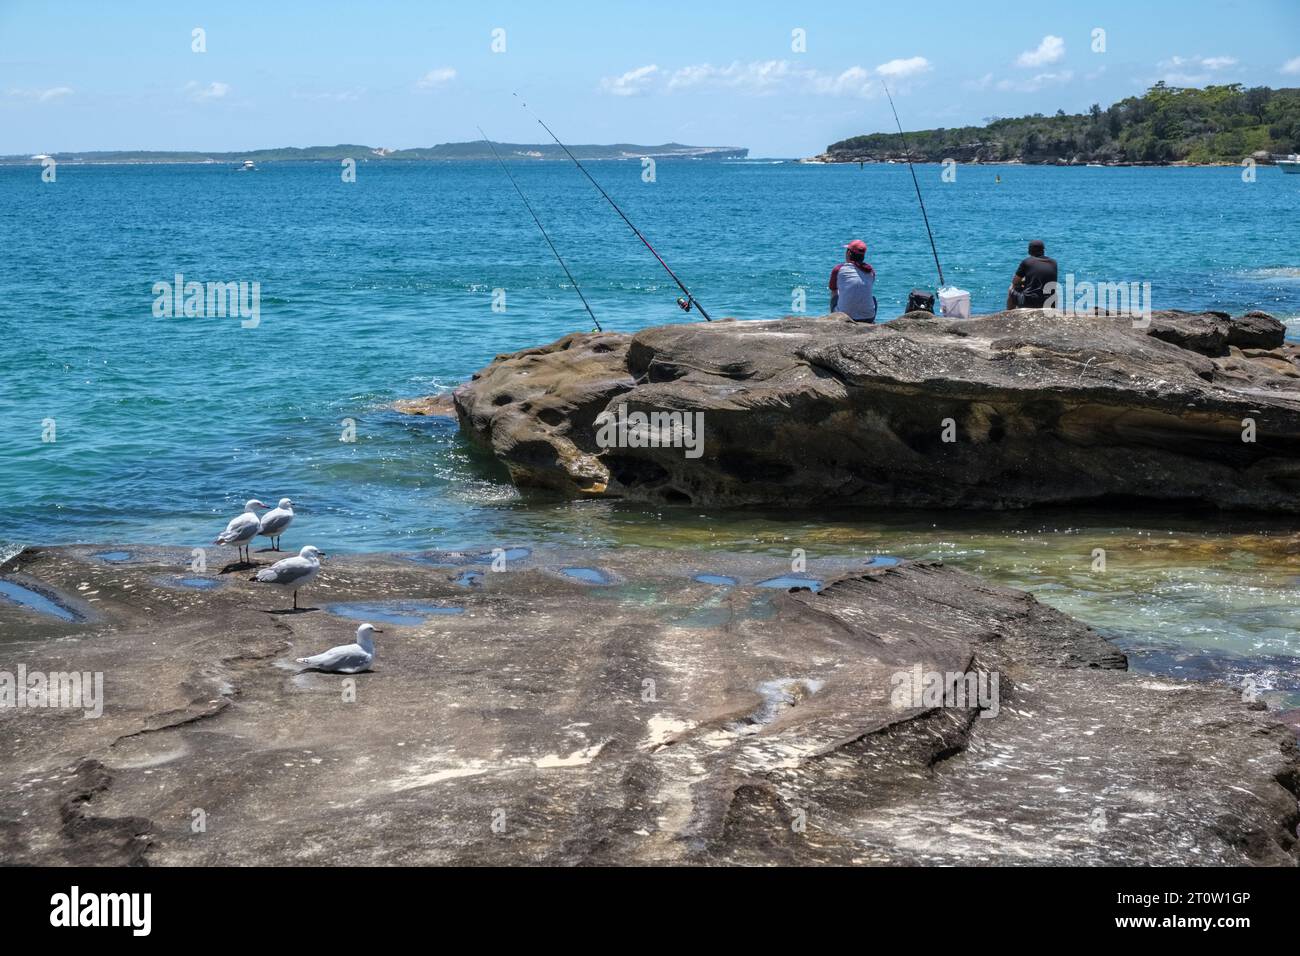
{"x":242,"y":529}
{"x":275,"y":521}
{"x":346,"y":658}
{"x":293,"y":572}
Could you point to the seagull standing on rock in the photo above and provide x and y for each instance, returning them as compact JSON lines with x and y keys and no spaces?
{"x":293,"y":572}
{"x":346,"y":658}
{"x":242,"y":529}
{"x":275,"y":521}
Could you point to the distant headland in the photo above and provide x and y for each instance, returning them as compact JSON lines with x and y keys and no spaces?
{"x":478,"y":150}
{"x":1217,"y":125}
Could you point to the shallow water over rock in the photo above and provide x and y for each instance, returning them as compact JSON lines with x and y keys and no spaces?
{"x":792,"y":581}
{"x":33,"y":600}
{"x":198,"y":584}
{"x":113,"y":557}
{"x":587,"y":575}
{"x":718,"y":580}
{"x":408,"y":613}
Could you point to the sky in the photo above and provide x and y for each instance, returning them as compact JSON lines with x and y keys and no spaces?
{"x":782,"y":78}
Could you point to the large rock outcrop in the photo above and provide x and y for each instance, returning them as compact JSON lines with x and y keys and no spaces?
{"x":1002,"y":411}
{"x":555,"y":720}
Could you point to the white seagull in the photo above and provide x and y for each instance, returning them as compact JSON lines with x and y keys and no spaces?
{"x":347,"y":658}
{"x":294,"y":572}
{"x":242,"y":528}
{"x":275,"y":521}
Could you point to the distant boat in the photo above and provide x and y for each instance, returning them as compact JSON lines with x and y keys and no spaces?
{"x":248,"y":167}
{"x":1095,"y":166}
{"x":1291,"y":164}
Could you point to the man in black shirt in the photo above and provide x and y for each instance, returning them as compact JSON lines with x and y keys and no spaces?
{"x":1029,"y":286}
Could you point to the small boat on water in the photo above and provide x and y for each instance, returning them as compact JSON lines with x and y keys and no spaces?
{"x":247,"y":167}
{"x":1291,"y":164}
{"x":1095,"y":166}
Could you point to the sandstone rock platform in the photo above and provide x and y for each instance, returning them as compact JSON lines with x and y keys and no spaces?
{"x":592,"y":707}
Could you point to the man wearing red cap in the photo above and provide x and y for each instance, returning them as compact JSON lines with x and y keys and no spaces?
{"x":851,"y":287}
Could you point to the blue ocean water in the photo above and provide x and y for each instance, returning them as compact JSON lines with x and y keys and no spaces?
{"x":383,"y":288}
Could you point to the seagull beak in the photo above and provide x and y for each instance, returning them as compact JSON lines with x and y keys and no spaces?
{"x":377,"y":630}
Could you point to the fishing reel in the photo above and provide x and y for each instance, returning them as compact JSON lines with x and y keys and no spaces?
{"x":684,"y":303}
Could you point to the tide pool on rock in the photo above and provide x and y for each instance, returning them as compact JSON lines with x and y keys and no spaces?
{"x":719,"y":580}
{"x":393,"y":612}
{"x":23,"y":596}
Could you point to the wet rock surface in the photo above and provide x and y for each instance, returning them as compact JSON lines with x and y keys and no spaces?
{"x":1002,"y":411}
{"x":654,"y":718}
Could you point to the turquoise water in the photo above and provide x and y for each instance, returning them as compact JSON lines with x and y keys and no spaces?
{"x":382,"y":288}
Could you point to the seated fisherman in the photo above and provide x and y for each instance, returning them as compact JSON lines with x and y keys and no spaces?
{"x":851,"y":288}
{"x":1029,"y":286}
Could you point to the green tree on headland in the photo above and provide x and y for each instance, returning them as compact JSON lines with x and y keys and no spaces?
{"x":1217,"y":124}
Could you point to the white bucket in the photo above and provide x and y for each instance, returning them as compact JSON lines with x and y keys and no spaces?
{"x":954,"y":302}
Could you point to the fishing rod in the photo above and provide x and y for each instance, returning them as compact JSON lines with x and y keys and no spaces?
{"x":527,"y":205}
{"x":684,"y":304}
{"x":908,"y":153}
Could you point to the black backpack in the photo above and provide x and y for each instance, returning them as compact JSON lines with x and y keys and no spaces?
{"x":918,"y":300}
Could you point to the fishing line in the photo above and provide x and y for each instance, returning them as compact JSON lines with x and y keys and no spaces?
{"x":527,"y":205}
{"x":686,"y":303}
{"x":908,"y":153}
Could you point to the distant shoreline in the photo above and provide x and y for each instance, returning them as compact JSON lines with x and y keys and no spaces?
{"x":792,"y":161}
{"x":451,"y":152}
{"x":6,"y":161}
{"x":823,"y":160}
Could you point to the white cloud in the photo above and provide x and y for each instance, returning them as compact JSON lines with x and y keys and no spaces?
{"x":855,"y":81}
{"x":436,"y":78}
{"x":342,"y":96}
{"x":1049,"y":50}
{"x":902,"y":69}
{"x":1193,"y":70}
{"x":1292,"y":65}
{"x":631,"y":83}
{"x":762,"y":77}
{"x":212,"y":91}
{"x":42,"y":96}
{"x":1036,"y":83}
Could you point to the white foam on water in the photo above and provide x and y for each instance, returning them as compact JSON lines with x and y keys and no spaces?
{"x":9,"y":549}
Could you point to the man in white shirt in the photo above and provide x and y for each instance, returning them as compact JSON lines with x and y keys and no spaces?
{"x":852,"y":284}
